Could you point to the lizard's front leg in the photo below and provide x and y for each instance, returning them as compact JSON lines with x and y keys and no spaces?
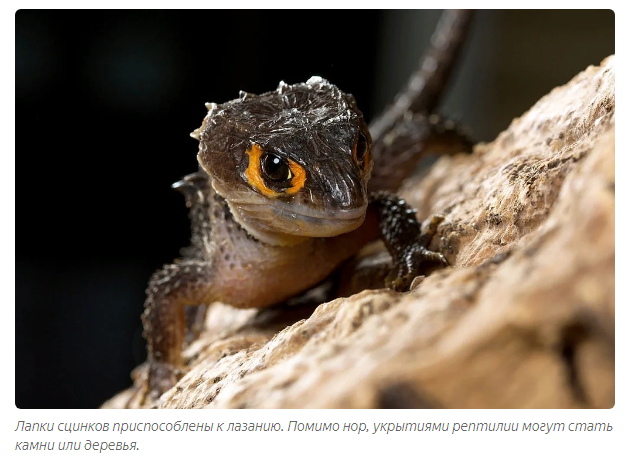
{"x":401,"y":233}
{"x":170,"y":289}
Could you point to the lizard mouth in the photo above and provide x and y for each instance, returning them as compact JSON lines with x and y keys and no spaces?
{"x":301,"y":221}
{"x":307,"y":214}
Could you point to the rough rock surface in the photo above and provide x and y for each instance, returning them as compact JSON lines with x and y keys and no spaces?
{"x":523,"y":318}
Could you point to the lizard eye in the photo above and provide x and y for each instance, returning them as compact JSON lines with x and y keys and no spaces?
{"x":271,"y":174}
{"x":275,"y":168}
{"x":361,"y":149}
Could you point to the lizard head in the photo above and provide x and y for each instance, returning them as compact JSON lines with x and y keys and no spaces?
{"x":291,"y":164}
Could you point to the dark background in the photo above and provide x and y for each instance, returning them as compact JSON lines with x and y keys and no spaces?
{"x":105,"y":102}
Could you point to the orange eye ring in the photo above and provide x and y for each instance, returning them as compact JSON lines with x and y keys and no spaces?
{"x":254,"y":176}
{"x":298,"y":177}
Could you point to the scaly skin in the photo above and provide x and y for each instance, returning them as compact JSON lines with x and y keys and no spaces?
{"x":287,"y":192}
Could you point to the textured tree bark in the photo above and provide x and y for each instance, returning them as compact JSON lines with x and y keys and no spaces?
{"x":523,"y":318}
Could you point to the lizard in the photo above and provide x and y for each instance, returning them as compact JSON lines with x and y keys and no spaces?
{"x":287,"y":190}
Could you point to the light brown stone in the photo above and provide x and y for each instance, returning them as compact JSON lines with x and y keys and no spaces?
{"x":524,"y":317}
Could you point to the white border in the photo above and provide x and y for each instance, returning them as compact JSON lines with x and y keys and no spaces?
{"x":397,"y":452}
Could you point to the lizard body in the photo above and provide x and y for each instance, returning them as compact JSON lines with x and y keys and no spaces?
{"x":287,"y":192}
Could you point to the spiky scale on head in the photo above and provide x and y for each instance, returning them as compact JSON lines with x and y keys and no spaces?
{"x":244,"y":95}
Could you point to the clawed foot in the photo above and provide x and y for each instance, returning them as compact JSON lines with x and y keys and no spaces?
{"x":161,"y":378}
{"x":409,"y":262}
{"x":153,"y":379}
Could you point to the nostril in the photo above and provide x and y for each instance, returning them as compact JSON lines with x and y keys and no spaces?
{"x":345,"y":193}
{"x":331,"y":201}
{"x":344,"y":202}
